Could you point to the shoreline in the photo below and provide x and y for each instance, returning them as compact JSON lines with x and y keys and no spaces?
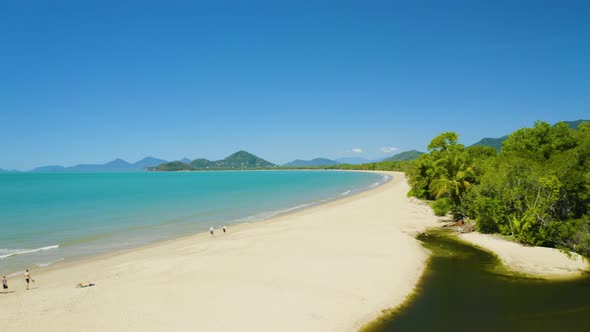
{"x":334,"y":266}
{"x":536,"y":262}
{"x":259,"y":217}
{"x":233,"y":224}
{"x":325,"y":267}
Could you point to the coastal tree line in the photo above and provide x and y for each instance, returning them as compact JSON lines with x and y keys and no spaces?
{"x":400,"y":166}
{"x":536,"y":189}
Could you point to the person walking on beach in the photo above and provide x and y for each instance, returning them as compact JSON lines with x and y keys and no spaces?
{"x":224,"y":230}
{"x":211,"y":230}
{"x":28,"y":278}
{"x":4,"y":283}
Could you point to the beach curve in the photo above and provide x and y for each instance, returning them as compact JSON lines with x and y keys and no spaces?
{"x":332,"y":267}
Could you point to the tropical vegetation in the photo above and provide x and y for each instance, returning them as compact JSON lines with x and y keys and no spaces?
{"x":536,"y":188}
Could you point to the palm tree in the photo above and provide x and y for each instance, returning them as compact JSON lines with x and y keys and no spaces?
{"x":455,"y":176}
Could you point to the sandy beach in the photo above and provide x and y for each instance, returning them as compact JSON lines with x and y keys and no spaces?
{"x":333,"y":267}
{"x":540,"y":262}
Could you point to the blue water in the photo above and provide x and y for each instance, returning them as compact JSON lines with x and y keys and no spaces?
{"x":46,"y":218}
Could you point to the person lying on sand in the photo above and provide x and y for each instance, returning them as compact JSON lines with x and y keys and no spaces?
{"x":83,"y":285}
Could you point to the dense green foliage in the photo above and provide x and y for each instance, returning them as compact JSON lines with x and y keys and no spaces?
{"x":575,"y":124}
{"x":497,"y":142}
{"x":201,"y":163}
{"x":441,"y":206}
{"x":536,"y":188}
{"x":400,"y":166}
{"x":174,"y":166}
{"x":404,"y":156}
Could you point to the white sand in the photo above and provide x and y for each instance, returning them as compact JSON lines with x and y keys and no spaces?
{"x":535,"y":261}
{"x":330,"y":268}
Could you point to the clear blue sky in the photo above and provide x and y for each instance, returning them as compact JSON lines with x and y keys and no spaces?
{"x":90,"y":81}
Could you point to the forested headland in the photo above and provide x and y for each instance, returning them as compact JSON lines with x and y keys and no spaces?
{"x":536,"y":189}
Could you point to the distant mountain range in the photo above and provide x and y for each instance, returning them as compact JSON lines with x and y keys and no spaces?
{"x":117,"y":165}
{"x":311,"y":163}
{"x":238,"y":160}
{"x":326,"y":162}
{"x":497,"y":142}
{"x":405,"y":156}
{"x":243,"y":160}
{"x":575,"y":124}
{"x":355,"y":160}
{"x":492,"y":142}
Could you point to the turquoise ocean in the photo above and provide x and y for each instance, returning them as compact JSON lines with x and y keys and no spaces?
{"x":54,"y":217}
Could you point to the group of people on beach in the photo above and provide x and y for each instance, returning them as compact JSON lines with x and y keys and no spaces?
{"x":28,"y":280}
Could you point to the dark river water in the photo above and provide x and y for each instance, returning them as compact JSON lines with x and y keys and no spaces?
{"x":466,"y":289}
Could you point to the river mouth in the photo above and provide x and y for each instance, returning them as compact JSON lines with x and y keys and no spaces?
{"x":468,"y":289}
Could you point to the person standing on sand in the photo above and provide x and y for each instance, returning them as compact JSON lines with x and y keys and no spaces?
{"x":28,"y":278}
{"x":4,"y":283}
{"x":211,"y":230}
{"x":224,"y":229}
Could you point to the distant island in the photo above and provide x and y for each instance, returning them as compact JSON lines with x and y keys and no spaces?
{"x":117,"y":165}
{"x":238,"y":160}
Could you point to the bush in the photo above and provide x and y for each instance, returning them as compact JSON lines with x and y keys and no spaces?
{"x":441,"y":206}
{"x":489,"y":212}
{"x":572,"y":235}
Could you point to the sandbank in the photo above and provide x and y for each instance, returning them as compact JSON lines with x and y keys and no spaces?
{"x":540,"y":262}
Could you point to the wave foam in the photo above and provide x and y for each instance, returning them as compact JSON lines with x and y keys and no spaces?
{"x":47,"y":264}
{"x":270,"y":214}
{"x":4,"y":253}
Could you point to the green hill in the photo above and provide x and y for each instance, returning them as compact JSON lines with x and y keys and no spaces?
{"x":575,"y":124}
{"x":404,"y":156}
{"x":202,"y":163}
{"x":243,"y":159}
{"x":238,"y":160}
{"x":174,"y":166}
{"x":492,"y":142}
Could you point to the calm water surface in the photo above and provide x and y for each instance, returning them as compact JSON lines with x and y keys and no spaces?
{"x":47,"y":218}
{"x":465,"y":289}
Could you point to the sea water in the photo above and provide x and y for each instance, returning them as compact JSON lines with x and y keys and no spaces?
{"x":52,"y":217}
